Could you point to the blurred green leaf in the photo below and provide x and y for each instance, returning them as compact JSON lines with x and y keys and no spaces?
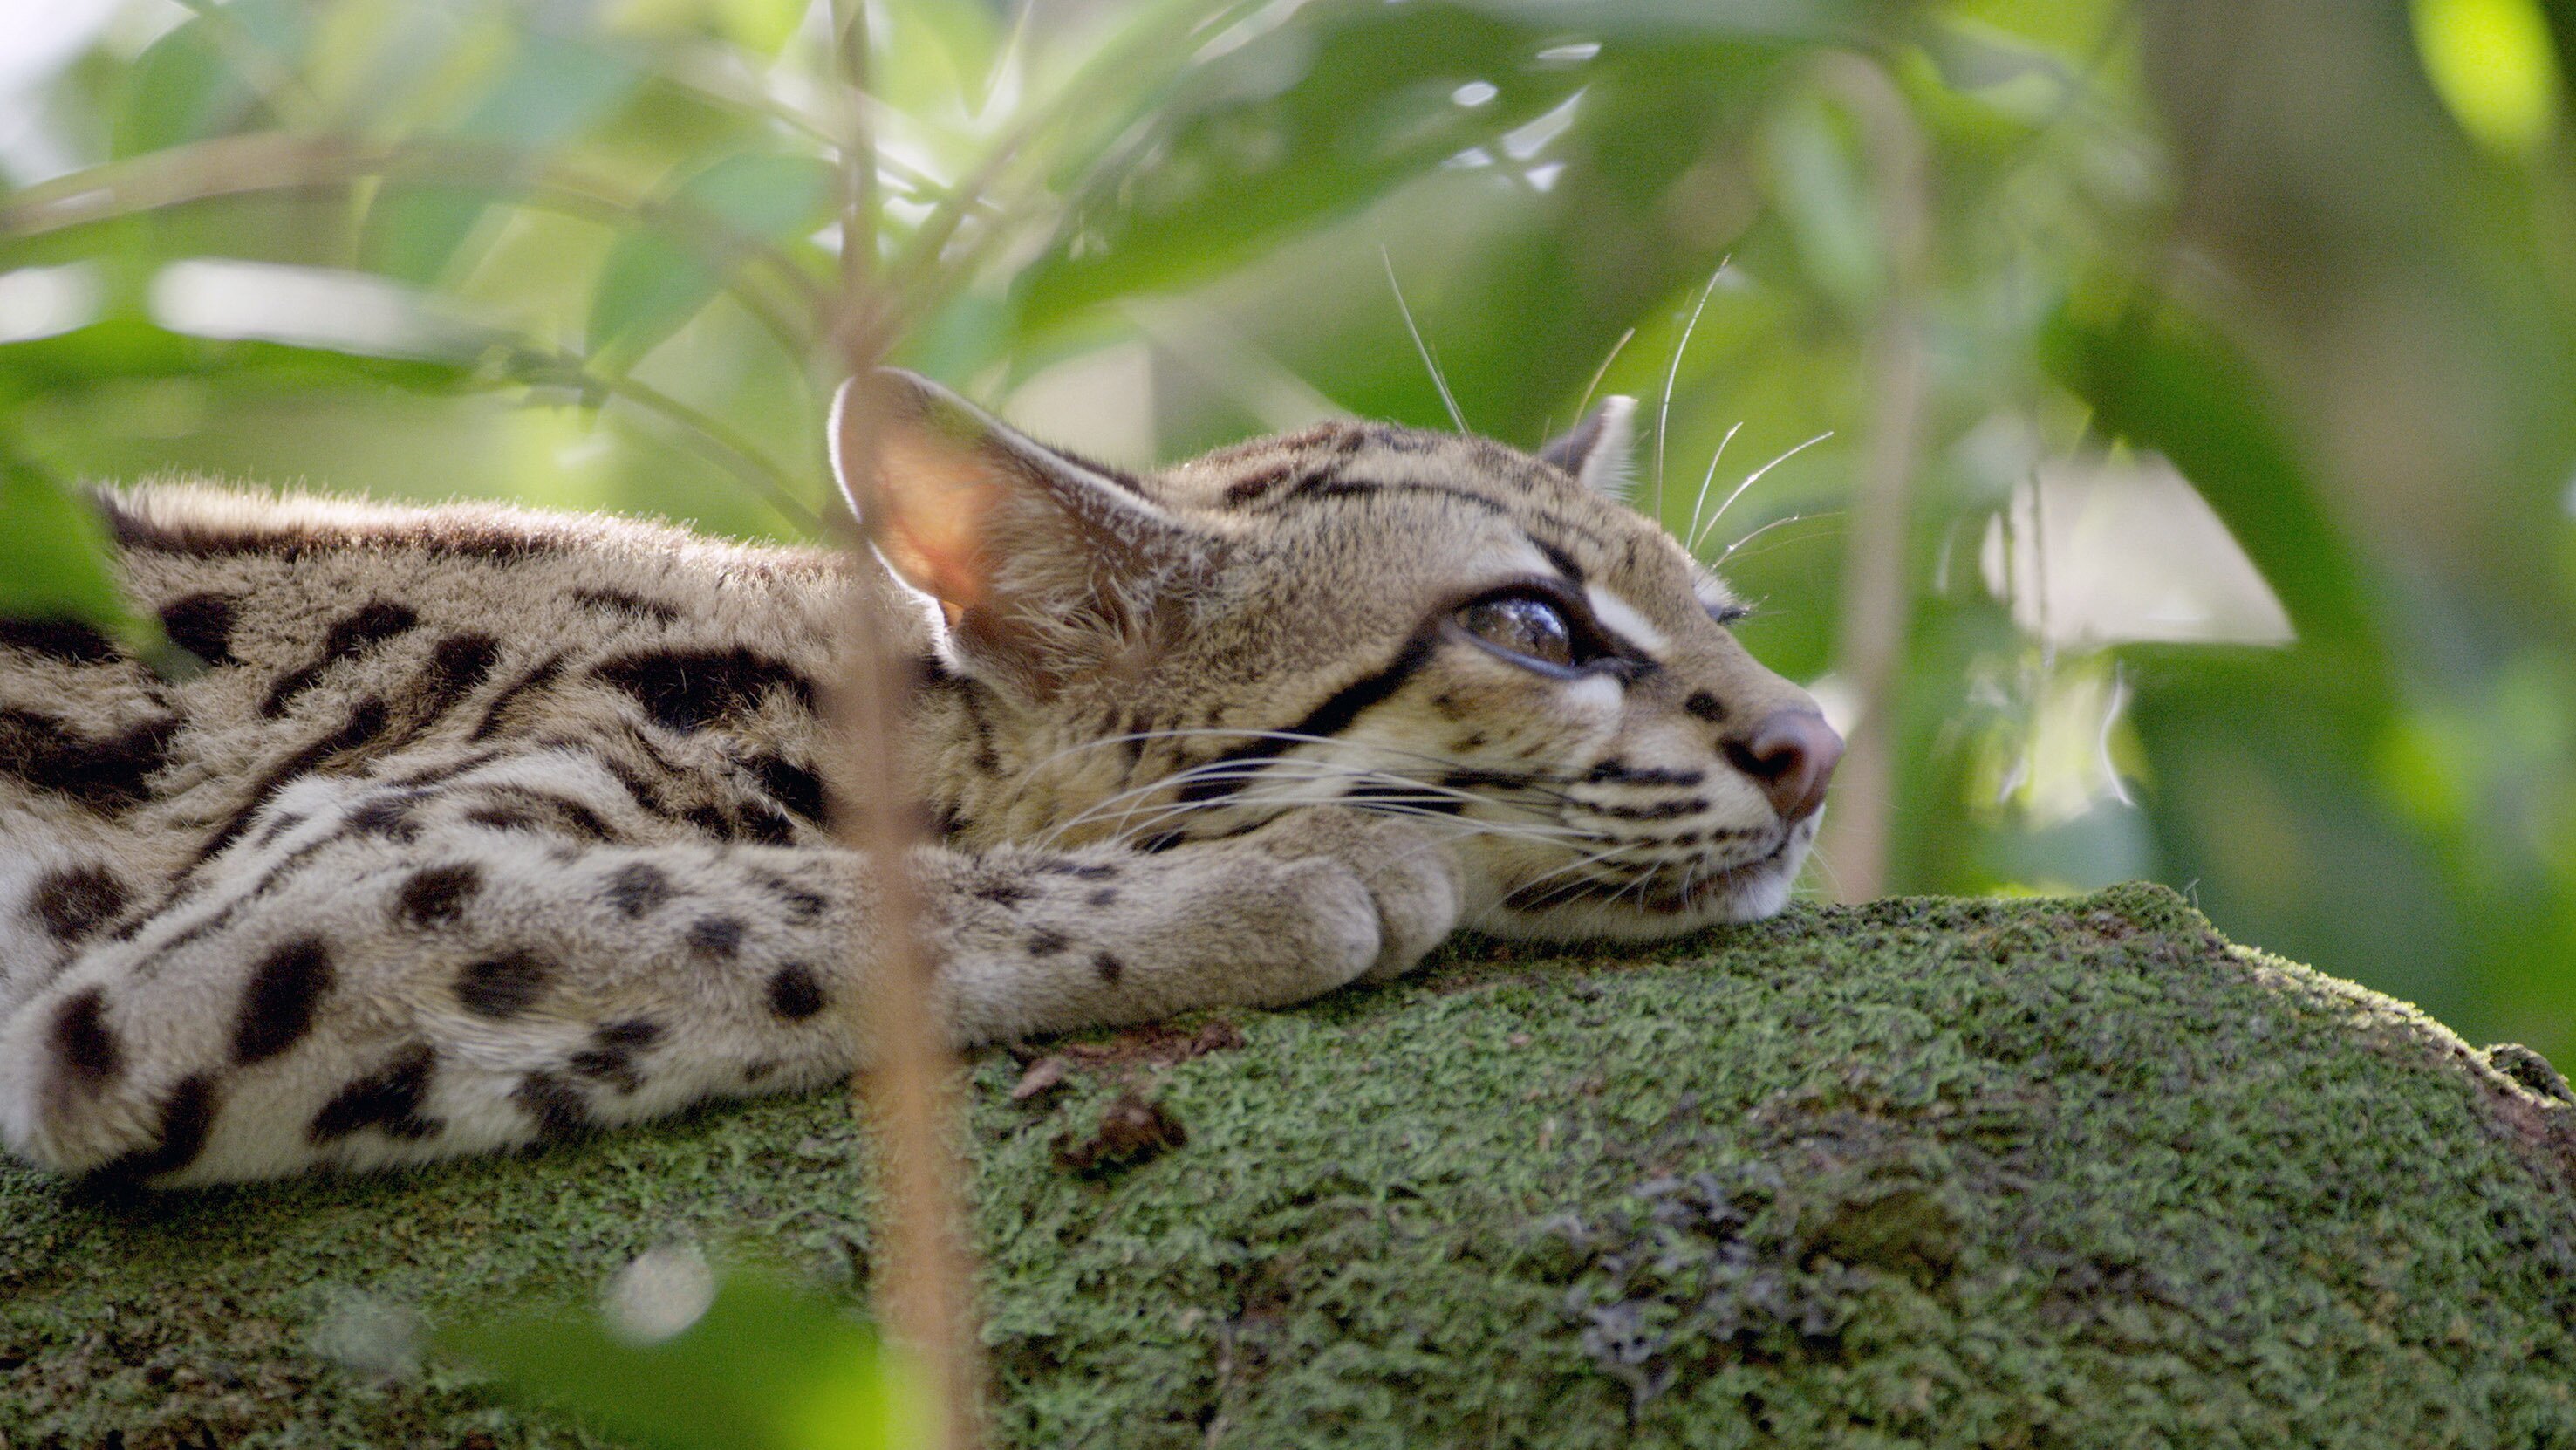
{"x":549,"y":89}
{"x":651,"y":284}
{"x":1828,"y":210}
{"x":53,"y":565}
{"x":128,"y":348}
{"x":2164,"y":381}
{"x":1302,"y":122}
{"x":766,"y":1367}
{"x":184,"y":87}
{"x":758,"y":26}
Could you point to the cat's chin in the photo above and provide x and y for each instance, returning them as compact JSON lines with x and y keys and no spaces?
{"x":1744,"y":893}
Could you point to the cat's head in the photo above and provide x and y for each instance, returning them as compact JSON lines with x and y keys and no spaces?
{"x":1398,"y":620}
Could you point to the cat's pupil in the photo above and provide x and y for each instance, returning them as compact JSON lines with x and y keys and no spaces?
{"x":1523,"y":625}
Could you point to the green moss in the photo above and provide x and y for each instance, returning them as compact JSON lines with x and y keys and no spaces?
{"x":1971,"y":1173}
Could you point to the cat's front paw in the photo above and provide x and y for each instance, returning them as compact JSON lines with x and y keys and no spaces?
{"x":1406,"y":871}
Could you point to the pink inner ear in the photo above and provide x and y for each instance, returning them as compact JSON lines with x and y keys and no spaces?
{"x":937,"y":499}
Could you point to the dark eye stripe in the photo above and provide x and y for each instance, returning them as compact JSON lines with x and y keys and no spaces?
{"x":1329,"y":718}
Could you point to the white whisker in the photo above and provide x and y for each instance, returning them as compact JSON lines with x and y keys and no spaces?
{"x":1753,"y":478}
{"x":1664,"y":416}
{"x":1720,"y":561}
{"x":1447,"y":399}
{"x":1708,"y":478}
{"x":1601,"y":372}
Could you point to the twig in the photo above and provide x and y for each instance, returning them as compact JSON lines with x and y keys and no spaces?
{"x":925,"y":1292}
{"x":1875,"y":586}
{"x":276,"y":161}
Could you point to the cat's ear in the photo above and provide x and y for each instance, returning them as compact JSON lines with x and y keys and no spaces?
{"x":1596,"y":450}
{"x":1043,"y":565}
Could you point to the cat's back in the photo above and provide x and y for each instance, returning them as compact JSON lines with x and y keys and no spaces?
{"x":342,"y":636}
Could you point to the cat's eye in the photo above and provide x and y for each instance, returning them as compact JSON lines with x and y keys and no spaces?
{"x":1522,"y":624}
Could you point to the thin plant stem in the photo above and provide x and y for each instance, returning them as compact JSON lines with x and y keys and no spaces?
{"x":924,"y":1291}
{"x":1876,"y":601}
{"x":272,"y":161}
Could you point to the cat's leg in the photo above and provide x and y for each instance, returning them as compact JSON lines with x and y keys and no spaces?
{"x":404,"y":976}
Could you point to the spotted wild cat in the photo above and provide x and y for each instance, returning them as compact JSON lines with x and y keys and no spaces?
{"x":487,"y":827}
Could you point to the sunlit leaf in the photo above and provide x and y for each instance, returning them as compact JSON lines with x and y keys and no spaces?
{"x":765,"y":1367}
{"x":2491,"y":63}
{"x":651,"y":282}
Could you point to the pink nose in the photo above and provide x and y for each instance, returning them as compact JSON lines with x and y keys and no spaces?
{"x":1790,"y":754}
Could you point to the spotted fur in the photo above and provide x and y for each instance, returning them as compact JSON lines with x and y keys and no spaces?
{"x":484,"y":828}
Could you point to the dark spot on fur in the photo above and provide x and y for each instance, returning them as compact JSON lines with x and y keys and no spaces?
{"x":187,"y":1116}
{"x":577,"y":818}
{"x":632,"y":781}
{"x":1004,"y":892}
{"x":793,"y":786}
{"x":435,"y":895}
{"x":709,"y":820}
{"x":459,"y":534}
{"x":634,"y":1032}
{"x":353,"y":633}
{"x":1043,"y":943}
{"x":1253,"y":485}
{"x":619,"y":601}
{"x":757,"y":1072}
{"x":1079,"y":870}
{"x":388,"y":816}
{"x":82,"y":1040}
{"x":472,"y":760}
{"x":719,"y":937}
{"x":277,"y":1010}
{"x":502,"y":818}
{"x":1705,"y":706}
{"x":504,"y":986}
{"x":766,"y":826}
{"x":279,"y":825}
{"x":1472,"y":740}
{"x":457,"y":668}
{"x":610,"y":1065}
{"x":202,"y":624}
{"x":1161,"y":841}
{"x":794,"y":994}
{"x":1103,"y":896}
{"x":638,"y":887}
{"x":366,"y":721}
{"x":1109,"y":968}
{"x":388,"y":1099}
{"x":691,"y":689}
{"x":75,"y":901}
{"x":559,"y":1108}
{"x":66,"y":640}
{"x":802,"y":905}
{"x":611,"y":1056}
{"x":107,"y":775}
{"x":537,"y":678}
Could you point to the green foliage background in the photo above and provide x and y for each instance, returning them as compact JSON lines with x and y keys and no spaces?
{"x":587,"y":254}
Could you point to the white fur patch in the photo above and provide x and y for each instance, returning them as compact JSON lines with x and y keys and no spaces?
{"x":1594,"y":692}
{"x":1622,"y":619}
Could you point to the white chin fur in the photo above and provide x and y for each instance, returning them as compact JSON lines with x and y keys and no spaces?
{"x":1755,"y":897}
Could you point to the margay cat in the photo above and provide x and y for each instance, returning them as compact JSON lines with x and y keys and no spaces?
{"x":488,"y":827}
